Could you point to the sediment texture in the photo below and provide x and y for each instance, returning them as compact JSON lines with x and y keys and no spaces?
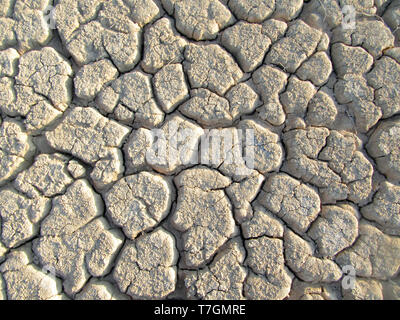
{"x":88,"y":88}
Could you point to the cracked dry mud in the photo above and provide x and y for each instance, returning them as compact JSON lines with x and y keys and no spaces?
{"x":85,"y":213}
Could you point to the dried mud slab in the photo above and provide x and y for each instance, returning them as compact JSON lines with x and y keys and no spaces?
{"x":146,"y":267}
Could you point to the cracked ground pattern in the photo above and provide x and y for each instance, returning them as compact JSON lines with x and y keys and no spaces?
{"x":84,"y":214}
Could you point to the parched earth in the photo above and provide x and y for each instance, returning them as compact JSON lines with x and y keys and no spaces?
{"x":301,"y":202}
